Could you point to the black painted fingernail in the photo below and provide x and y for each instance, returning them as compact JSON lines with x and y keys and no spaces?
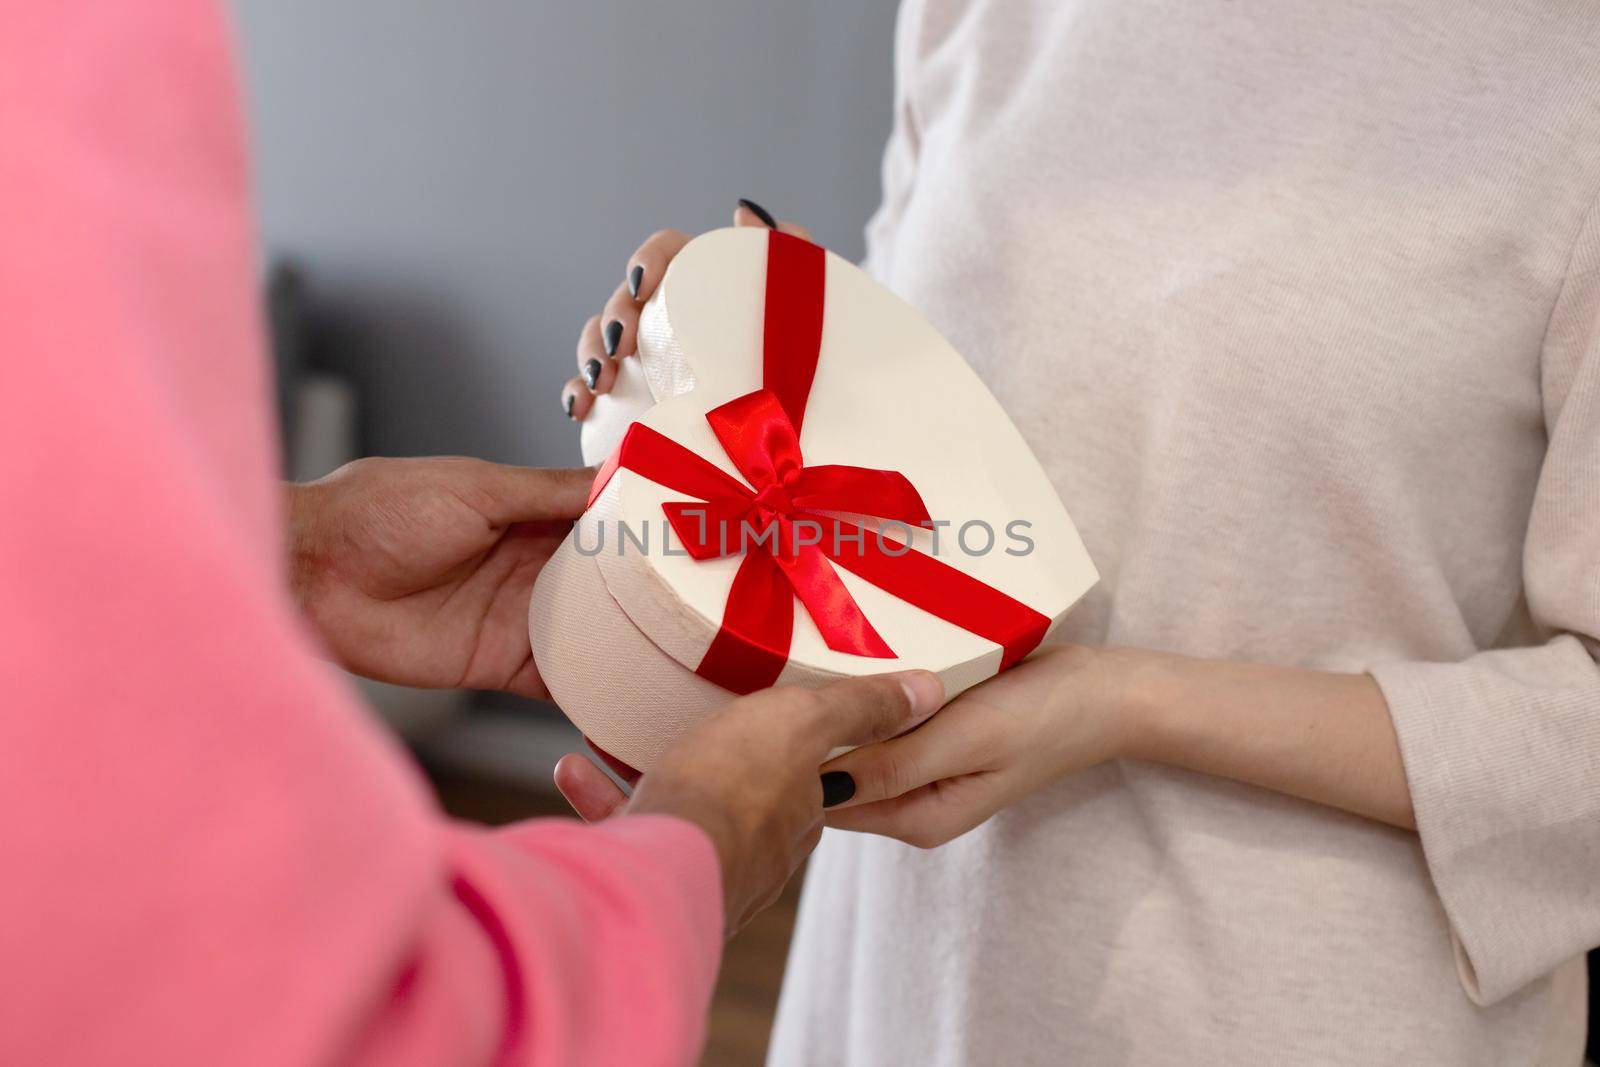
{"x":635,"y":279}
{"x":761,"y":213}
{"x":591,"y":373}
{"x":613,"y":334}
{"x":837,"y":787}
{"x":566,"y":405}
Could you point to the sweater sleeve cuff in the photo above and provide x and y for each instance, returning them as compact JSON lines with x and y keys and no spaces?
{"x":688,"y":860}
{"x":676,"y":862}
{"x":612,"y":935}
{"x":1499,"y":754}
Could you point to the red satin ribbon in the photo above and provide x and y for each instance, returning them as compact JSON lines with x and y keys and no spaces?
{"x":781,"y":520}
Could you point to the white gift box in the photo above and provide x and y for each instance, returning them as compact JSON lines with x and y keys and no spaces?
{"x":624,"y":614}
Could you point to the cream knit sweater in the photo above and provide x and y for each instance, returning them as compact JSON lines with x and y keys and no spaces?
{"x":1299,"y":303}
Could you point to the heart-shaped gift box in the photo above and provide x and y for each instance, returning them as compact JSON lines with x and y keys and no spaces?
{"x":800,"y":480}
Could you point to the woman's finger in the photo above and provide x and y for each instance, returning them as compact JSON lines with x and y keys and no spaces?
{"x":750,"y":213}
{"x":576,"y":400}
{"x":649,"y":262}
{"x":592,"y":795}
{"x":595,"y":367}
{"x":619,"y":325}
{"x":927,"y":816}
{"x":596,"y":370}
{"x":951,"y":744}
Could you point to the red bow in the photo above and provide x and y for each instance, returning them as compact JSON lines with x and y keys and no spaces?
{"x":780,"y":520}
{"x":780,"y":527}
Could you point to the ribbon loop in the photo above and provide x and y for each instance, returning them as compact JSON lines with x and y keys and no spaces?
{"x":859,"y":491}
{"x":756,"y":433}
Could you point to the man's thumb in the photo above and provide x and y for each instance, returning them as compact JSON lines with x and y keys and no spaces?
{"x":859,"y":711}
{"x":532,"y":494}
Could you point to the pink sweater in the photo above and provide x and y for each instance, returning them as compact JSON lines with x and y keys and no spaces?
{"x":210,"y":855}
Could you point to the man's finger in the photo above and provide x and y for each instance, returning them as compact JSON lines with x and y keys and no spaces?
{"x":616,"y":766}
{"x":859,"y":711}
{"x":529,"y":494}
{"x":592,"y":795}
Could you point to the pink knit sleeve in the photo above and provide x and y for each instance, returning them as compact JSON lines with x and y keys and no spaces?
{"x":604,"y":941}
{"x":211,"y":855}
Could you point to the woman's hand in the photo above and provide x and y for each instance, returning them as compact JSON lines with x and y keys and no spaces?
{"x":1317,"y":735}
{"x":1058,"y":711}
{"x":418,"y":571}
{"x":614,"y":333}
{"x":747,"y":775}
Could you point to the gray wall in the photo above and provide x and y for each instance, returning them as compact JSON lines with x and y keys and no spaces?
{"x":463,"y":180}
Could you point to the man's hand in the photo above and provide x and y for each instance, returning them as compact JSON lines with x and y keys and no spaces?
{"x":747,"y":775}
{"x":418,"y":571}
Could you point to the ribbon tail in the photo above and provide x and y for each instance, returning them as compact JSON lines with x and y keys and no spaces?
{"x":751,"y":647}
{"x":939,"y":589}
{"x":840,"y":620}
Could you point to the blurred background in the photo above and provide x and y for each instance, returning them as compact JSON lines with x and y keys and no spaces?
{"x":447,"y":191}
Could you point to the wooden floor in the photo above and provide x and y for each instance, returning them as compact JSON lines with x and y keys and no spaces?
{"x":752,"y":968}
